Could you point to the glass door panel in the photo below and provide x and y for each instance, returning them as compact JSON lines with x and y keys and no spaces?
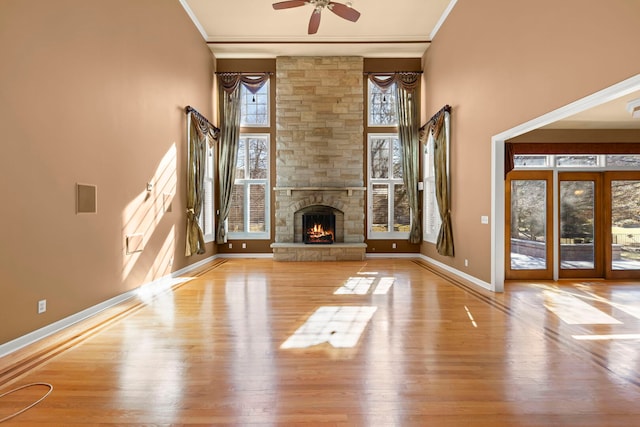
{"x":528,"y":249}
{"x":623,"y":257}
{"x":579,"y":226}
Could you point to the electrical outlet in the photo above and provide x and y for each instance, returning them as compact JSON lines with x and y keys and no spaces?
{"x":244,"y":246}
{"x":393,"y":246}
{"x":466,"y":263}
{"x":230,"y":245}
{"x":42,"y":306}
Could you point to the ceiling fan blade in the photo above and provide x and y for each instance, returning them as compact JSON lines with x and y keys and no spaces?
{"x":314,"y":22}
{"x":289,"y":4}
{"x":344,"y":11}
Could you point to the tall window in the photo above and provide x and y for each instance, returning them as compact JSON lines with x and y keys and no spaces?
{"x":249,"y":214}
{"x":207,"y":219}
{"x":388,"y":205}
{"x":389,"y":214}
{"x":431,"y":221}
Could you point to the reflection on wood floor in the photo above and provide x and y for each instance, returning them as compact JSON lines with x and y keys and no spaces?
{"x":374,"y":343}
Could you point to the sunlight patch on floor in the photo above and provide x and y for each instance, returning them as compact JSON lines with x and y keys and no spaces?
{"x":574,"y":311}
{"x":364,"y":285}
{"x":340,"y":326}
{"x":473,"y":321}
{"x":149,"y":291}
{"x":631,"y":308}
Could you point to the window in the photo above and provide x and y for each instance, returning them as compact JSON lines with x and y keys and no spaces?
{"x":254,"y":109}
{"x":629,"y":161}
{"x":528,"y":161}
{"x":249,"y":216}
{"x":249,"y":213}
{"x":431,"y":221}
{"x":207,"y":218}
{"x":382,"y":106}
{"x":388,"y":210}
{"x":431,"y":213}
{"x":577,"y":161}
{"x":389,"y":214}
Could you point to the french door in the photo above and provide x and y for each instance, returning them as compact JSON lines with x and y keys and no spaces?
{"x":622,"y":203}
{"x":529,"y":214}
{"x":572,"y":225}
{"x":580,"y":228}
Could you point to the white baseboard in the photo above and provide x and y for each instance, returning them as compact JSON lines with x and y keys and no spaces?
{"x":146,"y":290}
{"x":458,"y":273}
{"x":260,"y":255}
{"x":392,"y":255}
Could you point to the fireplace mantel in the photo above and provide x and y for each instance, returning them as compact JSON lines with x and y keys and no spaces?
{"x":349,"y":190}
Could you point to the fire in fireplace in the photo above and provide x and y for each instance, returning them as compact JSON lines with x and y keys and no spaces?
{"x":318,"y":227}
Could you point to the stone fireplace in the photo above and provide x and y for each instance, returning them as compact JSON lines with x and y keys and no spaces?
{"x":319,"y":155}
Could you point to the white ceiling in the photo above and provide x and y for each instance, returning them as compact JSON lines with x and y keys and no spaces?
{"x":253,"y":29}
{"x":386,"y":29}
{"x":609,"y":115}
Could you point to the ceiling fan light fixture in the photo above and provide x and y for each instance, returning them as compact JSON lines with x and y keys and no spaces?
{"x":343,"y":10}
{"x":633,"y":107}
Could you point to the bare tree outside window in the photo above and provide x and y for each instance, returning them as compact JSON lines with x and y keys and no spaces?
{"x":382,"y":106}
{"x":249,"y":202}
{"x":254,"y":108}
{"x":389,"y":203}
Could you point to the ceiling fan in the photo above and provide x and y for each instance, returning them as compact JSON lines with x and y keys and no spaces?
{"x":344,"y":11}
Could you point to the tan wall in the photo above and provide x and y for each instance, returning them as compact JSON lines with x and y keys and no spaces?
{"x":92,"y":92}
{"x":500,"y":64}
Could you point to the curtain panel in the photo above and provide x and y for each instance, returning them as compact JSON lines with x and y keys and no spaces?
{"x":230,"y":139}
{"x":436,"y":126}
{"x":407,"y":109}
{"x":409,"y":137}
{"x":201,"y":133}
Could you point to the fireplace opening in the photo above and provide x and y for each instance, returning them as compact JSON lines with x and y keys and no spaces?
{"x":318,"y":227}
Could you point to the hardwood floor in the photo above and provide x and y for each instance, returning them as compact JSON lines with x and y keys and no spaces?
{"x":373,"y":343}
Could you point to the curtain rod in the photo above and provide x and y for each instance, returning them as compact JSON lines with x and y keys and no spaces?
{"x":189,"y":109}
{"x":245,"y":73}
{"x":446,"y":108}
{"x":389,"y":73}
{"x":433,"y":118}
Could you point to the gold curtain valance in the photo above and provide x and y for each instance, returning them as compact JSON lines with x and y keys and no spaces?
{"x":253,"y":82}
{"x":408,"y":80}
